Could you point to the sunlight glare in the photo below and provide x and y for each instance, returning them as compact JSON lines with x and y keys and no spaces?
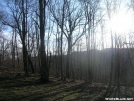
{"x":120,"y":23}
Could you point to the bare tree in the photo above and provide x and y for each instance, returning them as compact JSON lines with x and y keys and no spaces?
{"x":112,"y":7}
{"x":68,"y":21}
{"x":18,"y":14}
{"x":91,"y":9}
{"x":44,"y":66}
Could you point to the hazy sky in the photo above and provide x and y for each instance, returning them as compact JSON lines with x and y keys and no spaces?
{"x":121,"y":22}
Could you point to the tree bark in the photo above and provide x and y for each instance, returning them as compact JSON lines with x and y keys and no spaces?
{"x":23,"y":41}
{"x":68,"y":56}
{"x":44,"y":67}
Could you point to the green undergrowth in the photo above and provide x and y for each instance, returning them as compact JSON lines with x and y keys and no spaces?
{"x":20,"y":88}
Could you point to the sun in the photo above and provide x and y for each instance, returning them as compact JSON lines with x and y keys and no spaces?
{"x":120,"y":23}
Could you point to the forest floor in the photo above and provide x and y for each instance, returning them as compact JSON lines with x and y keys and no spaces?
{"x":20,"y":88}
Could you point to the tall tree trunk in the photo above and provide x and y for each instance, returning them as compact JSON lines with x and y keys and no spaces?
{"x":68,"y":57}
{"x":31,"y":64}
{"x":25,"y":58}
{"x":61,"y":66}
{"x":13,"y":49}
{"x":44,"y":67}
{"x":111,"y":71}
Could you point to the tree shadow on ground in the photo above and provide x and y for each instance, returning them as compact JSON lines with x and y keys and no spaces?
{"x":78,"y":92}
{"x":31,"y":89}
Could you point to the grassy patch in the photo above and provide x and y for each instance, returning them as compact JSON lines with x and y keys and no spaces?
{"x":20,"y":88}
{"x":30,"y":89}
